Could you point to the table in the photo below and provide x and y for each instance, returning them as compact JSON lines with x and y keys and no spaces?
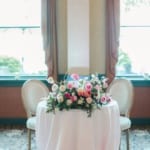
{"x":73,"y":130}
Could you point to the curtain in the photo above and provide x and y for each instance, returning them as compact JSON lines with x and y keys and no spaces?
{"x":49,"y":34}
{"x":112,"y":36}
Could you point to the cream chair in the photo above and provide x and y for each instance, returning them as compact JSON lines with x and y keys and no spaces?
{"x":32,"y":91}
{"x":121,"y":90}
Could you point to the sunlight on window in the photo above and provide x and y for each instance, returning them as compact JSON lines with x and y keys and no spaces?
{"x":134,"y":38}
{"x":20,"y":38}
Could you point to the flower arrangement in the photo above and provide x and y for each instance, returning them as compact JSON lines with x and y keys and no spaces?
{"x":86,"y":94}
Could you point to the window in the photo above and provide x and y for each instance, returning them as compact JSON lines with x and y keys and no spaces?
{"x":134,"y":37}
{"x":21,"y":50}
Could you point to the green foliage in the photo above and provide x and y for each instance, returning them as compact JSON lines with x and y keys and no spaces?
{"x":124,"y":61}
{"x":123,"y":58}
{"x":132,"y":3}
{"x":13,"y":65}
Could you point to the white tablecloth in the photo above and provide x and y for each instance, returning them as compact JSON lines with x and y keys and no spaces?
{"x":73,"y":130}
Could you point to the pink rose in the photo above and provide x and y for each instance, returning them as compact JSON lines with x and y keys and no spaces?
{"x":70,"y":85}
{"x":108,"y":98}
{"x":103,"y":100}
{"x":67,"y":95}
{"x":88,"y":86}
{"x":75,"y":76}
{"x":73,"y":98}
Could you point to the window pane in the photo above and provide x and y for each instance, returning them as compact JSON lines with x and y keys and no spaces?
{"x":135,"y":13}
{"x":20,"y":12}
{"x":21,"y":50}
{"x":134,"y":38}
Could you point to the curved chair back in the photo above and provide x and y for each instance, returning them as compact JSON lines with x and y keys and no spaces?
{"x":121,"y":90}
{"x":32,"y":91}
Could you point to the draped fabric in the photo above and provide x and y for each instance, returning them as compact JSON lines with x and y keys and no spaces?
{"x":49,"y":33}
{"x":112,"y":36}
{"x":74,"y":130}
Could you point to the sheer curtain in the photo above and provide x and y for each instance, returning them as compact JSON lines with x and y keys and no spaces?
{"x":49,"y":33}
{"x":112,"y":36}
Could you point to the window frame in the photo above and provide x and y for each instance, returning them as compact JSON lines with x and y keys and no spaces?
{"x":138,"y":79}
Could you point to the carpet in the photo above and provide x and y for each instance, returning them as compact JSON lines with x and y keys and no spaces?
{"x":16,"y":139}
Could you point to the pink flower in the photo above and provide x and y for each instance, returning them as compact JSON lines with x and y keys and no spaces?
{"x":103,"y":100}
{"x":108,"y":98}
{"x":88,"y":86}
{"x":70,"y":85}
{"x":73,"y":98}
{"x":75,"y":76}
{"x":67,"y":95}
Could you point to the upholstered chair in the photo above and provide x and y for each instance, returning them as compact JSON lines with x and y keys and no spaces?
{"x":121,"y":90}
{"x":32,"y":92}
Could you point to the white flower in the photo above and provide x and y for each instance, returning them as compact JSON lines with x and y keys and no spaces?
{"x":73,"y":94}
{"x":89,"y":100}
{"x":60,"y":98}
{"x":80,"y":101}
{"x":69,"y":102}
{"x":62,"y":88}
{"x":93,"y":75}
{"x":105,"y":85}
{"x":50,"y":80}
{"x":54,"y":87}
{"x":75,"y":84}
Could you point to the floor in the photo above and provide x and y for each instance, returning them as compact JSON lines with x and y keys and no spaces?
{"x":15,"y":138}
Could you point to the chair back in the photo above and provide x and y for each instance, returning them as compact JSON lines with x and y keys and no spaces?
{"x":121,"y":90}
{"x":32,"y":91}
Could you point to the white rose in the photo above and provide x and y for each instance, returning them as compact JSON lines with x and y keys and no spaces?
{"x":62,"y":88}
{"x":89,"y":100}
{"x":54,"y":87}
{"x":80,"y":101}
{"x":69,"y":102}
{"x":50,"y":80}
{"x":60,"y":98}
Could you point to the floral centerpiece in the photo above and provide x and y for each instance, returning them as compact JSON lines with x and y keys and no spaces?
{"x":78,"y":93}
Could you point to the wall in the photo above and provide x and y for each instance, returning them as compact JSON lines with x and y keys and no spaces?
{"x":11,"y":104}
{"x":97,"y":35}
{"x":141,"y":106}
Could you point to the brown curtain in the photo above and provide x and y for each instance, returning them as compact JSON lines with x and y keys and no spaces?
{"x":112,"y":36}
{"x":49,"y":33}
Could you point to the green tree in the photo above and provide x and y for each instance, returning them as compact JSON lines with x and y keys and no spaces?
{"x":13,"y":65}
{"x":124,"y":61}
